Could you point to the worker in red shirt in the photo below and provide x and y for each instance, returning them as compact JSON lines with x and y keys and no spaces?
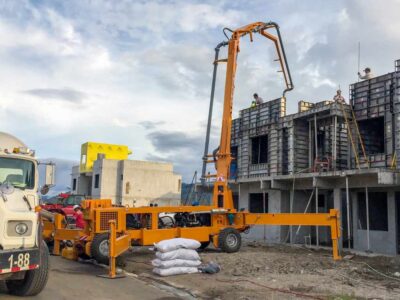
{"x":78,"y":215}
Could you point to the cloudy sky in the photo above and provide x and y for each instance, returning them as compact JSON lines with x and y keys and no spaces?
{"x":139,"y":72}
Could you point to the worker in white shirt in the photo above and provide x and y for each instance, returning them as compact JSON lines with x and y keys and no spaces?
{"x":368,"y":74}
{"x":258,"y":99}
{"x":339,"y":98}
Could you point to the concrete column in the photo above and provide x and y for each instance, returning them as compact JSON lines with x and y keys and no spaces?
{"x":334,"y":146}
{"x":316,"y":211}
{"x":349,"y":212}
{"x":291,"y":200}
{"x":392,"y":237}
{"x":310,"y":149}
{"x":355,"y":220}
{"x":367,"y":214}
{"x":337,"y":204}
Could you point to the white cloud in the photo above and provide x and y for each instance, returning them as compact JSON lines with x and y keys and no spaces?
{"x":343,"y":17}
{"x":163,"y":16}
{"x":312,"y":72}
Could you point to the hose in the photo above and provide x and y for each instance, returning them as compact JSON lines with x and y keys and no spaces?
{"x":47,"y":215}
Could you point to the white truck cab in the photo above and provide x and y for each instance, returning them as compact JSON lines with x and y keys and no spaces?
{"x":23,"y":254}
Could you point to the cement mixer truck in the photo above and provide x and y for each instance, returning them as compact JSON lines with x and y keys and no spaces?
{"x":23,"y":254}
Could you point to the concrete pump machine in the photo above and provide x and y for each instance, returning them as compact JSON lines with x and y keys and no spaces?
{"x":218,"y":223}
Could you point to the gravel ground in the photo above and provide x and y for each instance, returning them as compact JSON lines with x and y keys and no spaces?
{"x":260,"y":271}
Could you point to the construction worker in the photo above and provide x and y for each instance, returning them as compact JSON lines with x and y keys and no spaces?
{"x":368,"y":74}
{"x":253,"y":104}
{"x":339,"y":98}
{"x":258,"y":99}
{"x":78,"y":215}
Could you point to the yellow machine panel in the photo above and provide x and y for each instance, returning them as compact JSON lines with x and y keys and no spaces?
{"x":90,"y":151}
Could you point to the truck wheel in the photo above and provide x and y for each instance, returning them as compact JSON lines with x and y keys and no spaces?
{"x":204,"y":245}
{"x":99,"y":249}
{"x":34,"y":280}
{"x":229,"y":240}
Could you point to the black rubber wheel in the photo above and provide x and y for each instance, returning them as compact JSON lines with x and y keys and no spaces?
{"x":99,"y":249}
{"x":34,"y":280}
{"x":229,"y":240}
{"x":204,"y":245}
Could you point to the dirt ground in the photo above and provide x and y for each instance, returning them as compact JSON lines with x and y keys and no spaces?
{"x":260,"y":271}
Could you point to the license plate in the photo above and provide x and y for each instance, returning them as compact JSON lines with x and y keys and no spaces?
{"x":19,"y":260}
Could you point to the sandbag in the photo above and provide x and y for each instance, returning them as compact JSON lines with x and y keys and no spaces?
{"x":164,"y":264}
{"x":178,"y":243}
{"x":175,"y":271}
{"x":187,"y":254}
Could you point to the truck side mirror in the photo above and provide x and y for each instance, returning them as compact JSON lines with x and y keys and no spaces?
{"x":45,"y":189}
{"x":50,"y":174}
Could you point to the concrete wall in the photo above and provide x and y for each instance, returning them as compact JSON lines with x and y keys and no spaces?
{"x":279,"y":202}
{"x":144,"y":182}
{"x":109,"y":176}
{"x":276,"y":200}
{"x":75,"y":175}
{"x":83,"y":183}
{"x":380,"y":241}
{"x":384,"y":242}
{"x":131,"y":182}
{"x":300,"y":201}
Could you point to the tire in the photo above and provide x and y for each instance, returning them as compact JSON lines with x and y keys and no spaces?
{"x":99,"y":248}
{"x":204,"y":245}
{"x":34,"y":280}
{"x":229,"y":240}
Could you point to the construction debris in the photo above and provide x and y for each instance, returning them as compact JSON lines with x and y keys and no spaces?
{"x":210,"y":268}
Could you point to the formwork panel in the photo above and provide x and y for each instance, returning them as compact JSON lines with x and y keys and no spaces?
{"x":291,"y":138}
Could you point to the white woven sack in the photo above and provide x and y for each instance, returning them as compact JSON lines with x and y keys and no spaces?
{"x":175,"y":271}
{"x":187,"y":254}
{"x":164,"y":264}
{"x":178,"y":243}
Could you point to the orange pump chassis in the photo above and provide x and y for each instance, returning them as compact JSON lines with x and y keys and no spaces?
{"x":98,"y":213}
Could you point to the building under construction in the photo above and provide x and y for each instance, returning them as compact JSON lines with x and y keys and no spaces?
{"x":327,"y":155}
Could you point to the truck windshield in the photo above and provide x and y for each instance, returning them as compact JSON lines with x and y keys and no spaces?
{"x":18,"y":172}
{"x":74,"y":200}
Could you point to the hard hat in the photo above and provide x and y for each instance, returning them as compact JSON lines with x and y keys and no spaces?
{"x":76,"y":206}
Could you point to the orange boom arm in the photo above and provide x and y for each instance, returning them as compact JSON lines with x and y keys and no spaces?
{"x":222,"y":195}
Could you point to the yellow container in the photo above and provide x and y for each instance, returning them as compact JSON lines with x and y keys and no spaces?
{"x":69,"y":253}
{"x":90,"y":151}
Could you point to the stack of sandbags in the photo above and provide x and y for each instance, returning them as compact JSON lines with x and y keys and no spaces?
{"x":176,"y":256}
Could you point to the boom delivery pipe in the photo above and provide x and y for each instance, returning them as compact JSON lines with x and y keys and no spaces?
{"x":222,"y":195}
